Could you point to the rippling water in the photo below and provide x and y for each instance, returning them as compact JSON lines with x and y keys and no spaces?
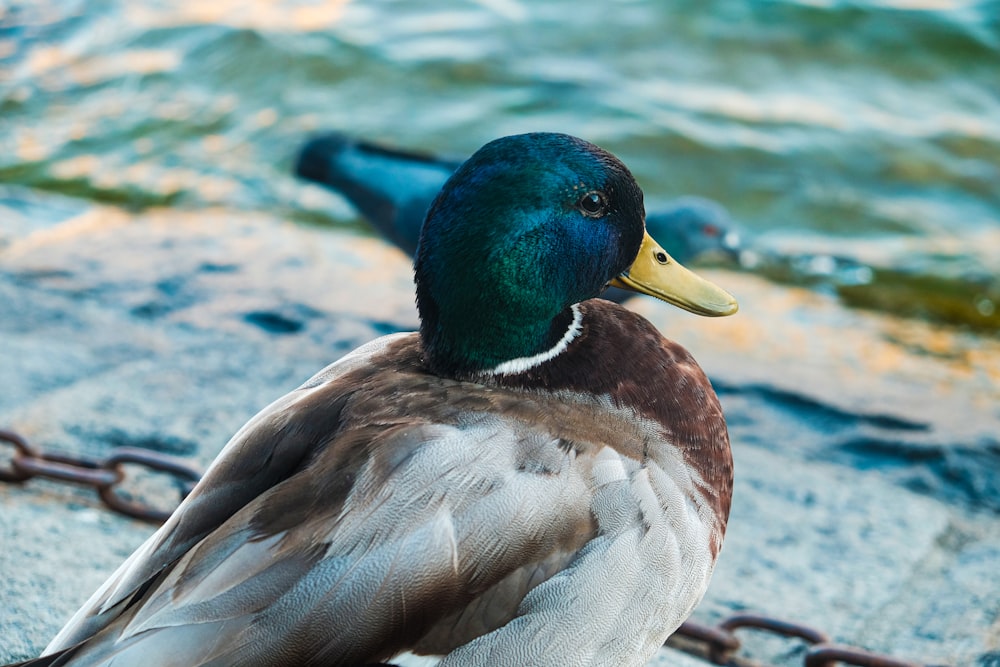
{"x":869,"y":130}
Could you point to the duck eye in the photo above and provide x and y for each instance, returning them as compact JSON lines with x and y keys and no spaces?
{"x":661,"y":257}
{"x":593,"y":204}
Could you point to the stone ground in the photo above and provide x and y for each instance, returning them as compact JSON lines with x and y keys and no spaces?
{"x":867,"y":498}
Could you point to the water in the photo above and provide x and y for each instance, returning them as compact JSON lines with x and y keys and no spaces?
{"x":869,"y":131}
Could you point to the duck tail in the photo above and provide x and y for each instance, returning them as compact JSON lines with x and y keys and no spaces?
{"x":391,"y":188}
{"x":318,"y":159}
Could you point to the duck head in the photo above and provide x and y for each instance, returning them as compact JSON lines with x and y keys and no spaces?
{"x":528,"y":226}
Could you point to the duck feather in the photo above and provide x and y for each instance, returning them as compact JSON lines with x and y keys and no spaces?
{"x":380,"y":508}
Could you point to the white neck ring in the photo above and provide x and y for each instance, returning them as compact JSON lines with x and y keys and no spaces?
{"x":522,"y":364}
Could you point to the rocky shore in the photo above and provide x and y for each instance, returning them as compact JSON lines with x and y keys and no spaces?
{"x":867,"y":498}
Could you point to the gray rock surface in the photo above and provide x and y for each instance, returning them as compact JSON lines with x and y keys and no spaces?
{"x":866,"y":500}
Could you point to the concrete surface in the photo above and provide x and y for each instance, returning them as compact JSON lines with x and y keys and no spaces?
{"x":867,"y":494}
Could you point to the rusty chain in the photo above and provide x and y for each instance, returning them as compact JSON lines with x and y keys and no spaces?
{"x":717,"y":644}
{"x":106,"y":475}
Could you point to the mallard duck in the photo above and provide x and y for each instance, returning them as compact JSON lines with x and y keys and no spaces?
{"x":536,"y":477}
{"x":393,"y":189}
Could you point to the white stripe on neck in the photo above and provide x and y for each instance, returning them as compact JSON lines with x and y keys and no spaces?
{"x":522,"y":364}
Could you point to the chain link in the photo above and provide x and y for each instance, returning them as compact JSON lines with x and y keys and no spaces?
{"x":717,"y":644}
{"x":106,"y":475}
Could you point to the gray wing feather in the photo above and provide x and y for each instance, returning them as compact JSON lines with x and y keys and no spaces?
{"x":266,"y":450}
{"x":344,"y":542}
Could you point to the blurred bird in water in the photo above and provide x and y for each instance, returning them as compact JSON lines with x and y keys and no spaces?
{"x":536,"y":477}
{"x":394,"y":188}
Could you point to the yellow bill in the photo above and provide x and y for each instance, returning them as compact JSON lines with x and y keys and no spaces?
{"x":656,"y":273}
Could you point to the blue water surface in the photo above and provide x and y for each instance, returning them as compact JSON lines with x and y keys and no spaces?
{"x":867,"y":130}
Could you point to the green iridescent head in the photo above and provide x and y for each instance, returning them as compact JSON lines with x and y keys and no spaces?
{"x":528,"y":226}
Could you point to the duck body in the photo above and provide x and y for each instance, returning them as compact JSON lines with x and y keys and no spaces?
{"x":339,"y":514}
{"x":554,"y":491}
